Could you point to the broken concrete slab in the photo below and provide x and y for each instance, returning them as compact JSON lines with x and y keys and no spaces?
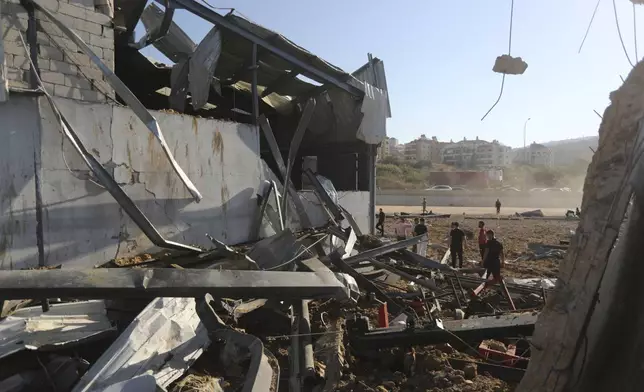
{"x":165,"y":338}
{"x":64,"y":325}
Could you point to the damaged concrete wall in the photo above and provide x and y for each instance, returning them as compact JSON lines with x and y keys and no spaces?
{"x":83,"y":224}
{"x":65,"y":71}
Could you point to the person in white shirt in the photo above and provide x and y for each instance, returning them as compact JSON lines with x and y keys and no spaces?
{"x":401,"y":229}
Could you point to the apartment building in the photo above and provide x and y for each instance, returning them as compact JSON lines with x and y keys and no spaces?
{"x":540,"y":155}
{"x":389,"y":147}
{"x":423,"y":149}
{"x":476,"y":153}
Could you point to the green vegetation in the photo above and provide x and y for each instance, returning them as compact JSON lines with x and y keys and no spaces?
{"x":394,"y":174}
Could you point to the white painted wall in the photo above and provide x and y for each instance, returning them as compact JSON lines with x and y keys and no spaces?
{"x":84,"y":226}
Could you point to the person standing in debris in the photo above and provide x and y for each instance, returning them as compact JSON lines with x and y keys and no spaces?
{"x":498,"y":206}
{"x":456,"y":244}
{"x":494,"y":258}
{"x":421,"y":229}
{"x":424,"y":206}
{"x":381,"y":223}
{"x":482,"y":240}
{"x":577,"y":212}
{"x":401,"y":229}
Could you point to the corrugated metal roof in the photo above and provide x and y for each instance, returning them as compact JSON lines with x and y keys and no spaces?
{"x":377,"y":77}
{"x":63,"y":325}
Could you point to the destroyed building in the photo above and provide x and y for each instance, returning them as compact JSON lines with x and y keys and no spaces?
{"x":209,"y":106}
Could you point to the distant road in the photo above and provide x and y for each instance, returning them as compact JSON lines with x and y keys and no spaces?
{"x":477,"y":211}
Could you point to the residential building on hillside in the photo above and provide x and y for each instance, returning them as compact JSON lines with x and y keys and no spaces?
{"x":423,"y":149}
{"x":476,"y":154}
{"x":538,"y":154}
{"x":389,"y":147}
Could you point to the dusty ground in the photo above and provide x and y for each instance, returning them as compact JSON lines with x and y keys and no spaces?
{"x":513,"y":234}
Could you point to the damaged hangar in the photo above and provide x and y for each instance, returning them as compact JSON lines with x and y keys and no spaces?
{"x":240,"y":111}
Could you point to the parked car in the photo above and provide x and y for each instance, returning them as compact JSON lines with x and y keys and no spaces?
{"x":510,"y":189}
{"x":553,"y":190}
{"x":439,"y":188}
{"x":536,"y":189}
{"x":460,"y":188}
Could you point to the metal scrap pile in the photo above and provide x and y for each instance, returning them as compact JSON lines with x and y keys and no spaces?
{"x":306,"y":310}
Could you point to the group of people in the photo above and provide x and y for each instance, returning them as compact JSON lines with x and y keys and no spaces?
{"x":491,"y":250}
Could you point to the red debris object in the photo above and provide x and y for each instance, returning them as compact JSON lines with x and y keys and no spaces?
{"x":383,"y":316}
{"x":508,"y":358}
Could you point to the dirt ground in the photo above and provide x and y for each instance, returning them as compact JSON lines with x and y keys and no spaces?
{"x":513,"y":234}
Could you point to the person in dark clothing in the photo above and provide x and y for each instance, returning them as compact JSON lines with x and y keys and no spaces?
{"x":494,"y":258}
{"x":577,"y":212}
{"x":424,"y":205}
{"x":456,"y":244}
{"x":381,"y":223}
{"x":498,"y":206}
{"x":421,"y":229}
{"x":482,"y":240}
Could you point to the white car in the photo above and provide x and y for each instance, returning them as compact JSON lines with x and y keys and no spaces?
{"x":510,"y":189}
{"x":440,"y":188}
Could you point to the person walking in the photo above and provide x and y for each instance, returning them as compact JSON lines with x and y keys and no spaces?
{"x":482,"y":240}
{"x":421,"y":229}
{"x":401,"y":229}
{"x":498,"y":206}
{"x":381,"y":223}
{"x":456,"y":244}
{"x":493,"y":259}
{"x":424,"y":206}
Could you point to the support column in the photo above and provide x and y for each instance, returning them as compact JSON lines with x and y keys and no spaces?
{"x":254,"y":86}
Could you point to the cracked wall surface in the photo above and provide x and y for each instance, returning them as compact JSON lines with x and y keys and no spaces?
{"x":83,"y":224}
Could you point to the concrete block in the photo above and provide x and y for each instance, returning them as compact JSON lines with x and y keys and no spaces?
{"x":66,"y":68}
{"x":10,"y":34}
{"x":49,"y":52}
{"x":90,"y":27}
{"x":84,"y":35}
{"x":98,"y":51}
{"x":42,"y":39}
{"x":12,"y":9}
{"x":15,"y":74}
{"x":78,"y":58}
{"x":108,"y":32}
{"x":52,"y":77}
{"x":108,"y":56}
{"x":93,"y":96}
{"x":15,"y":22}
{"x":20,"y":62}
{"x":78,"y":82}
{"x":99,"y":18}
{"x":97,"y":40}
{"x":72,"y":10}
{"x":15,"y":48}
{"x":92,"y":73}
{"x":86,"y":4}
{"x":48,"y":27}
{"x":49,"y":87}
{"x":68,"y":44}
{"x":67,"y":92}
{"x":51,"y":5}
{"x":17,"y":83}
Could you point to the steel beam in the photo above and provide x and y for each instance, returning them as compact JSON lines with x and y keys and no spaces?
{"x":151,"y":283}
{"x":326,"y":200}
{"x":394,"y":306}
{"x":455,"y":332}
{"x":225,"y":23}
{"x":302,"y":125}
{"x":383,"y":250}
{"x":421,"y":282}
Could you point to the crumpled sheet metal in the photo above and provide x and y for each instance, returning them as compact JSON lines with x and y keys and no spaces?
{"x":166,"y":338}
{"x":202,"y":66}
{"x":176,"y":45}
{"x":63,"y":325}
{"x":130,"y":99}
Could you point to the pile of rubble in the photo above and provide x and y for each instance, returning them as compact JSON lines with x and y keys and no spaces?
{"x":322,"y":309}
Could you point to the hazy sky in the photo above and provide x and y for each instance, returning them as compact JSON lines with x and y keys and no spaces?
{"x":439,"y":56}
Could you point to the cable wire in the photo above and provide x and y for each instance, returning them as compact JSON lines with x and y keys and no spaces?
{"x":589,"y":25}
{"x":509,"y":54}
{"x":619,"y":32}
{"x":637,"y":57}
